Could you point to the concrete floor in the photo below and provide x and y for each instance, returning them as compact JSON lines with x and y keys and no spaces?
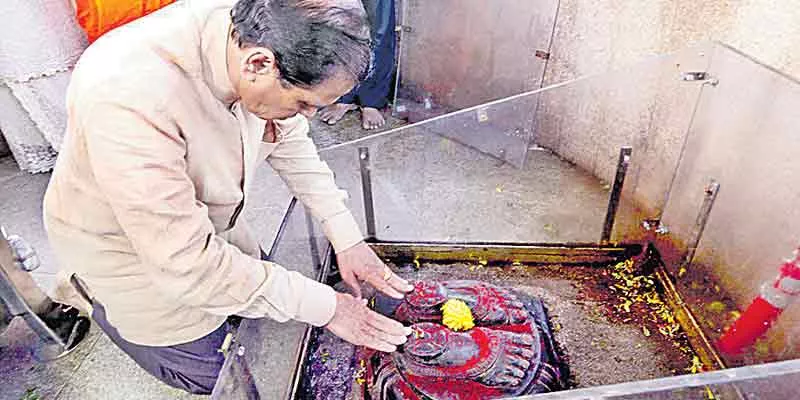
{"x":425,"y":187}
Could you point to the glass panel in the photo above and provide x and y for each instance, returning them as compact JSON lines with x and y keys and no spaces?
{"x":264,"y":339}
{"x":745,"y":138}
{"x":460,"y":53}
{"x":431,"y":183}
{"x":647,"y":107}
{"x":473,"y":175}
{"x":770,"y":381}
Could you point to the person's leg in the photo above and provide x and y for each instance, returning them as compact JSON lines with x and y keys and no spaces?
{"x":373,"y":93}
{"x":192,"y":366}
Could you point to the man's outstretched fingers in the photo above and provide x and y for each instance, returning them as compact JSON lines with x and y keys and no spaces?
{"x":389,"y":339}
{"x":376,"y":280}
{"x":387,"y":332}
{"x":400,"y":284}
{"x":386,"y":324}
{"x":374,"y":342}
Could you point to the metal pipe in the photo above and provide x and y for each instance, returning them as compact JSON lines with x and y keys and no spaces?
{"x":366,"y":190}
{"x":616,"y":192}
{"x":399,"y":29}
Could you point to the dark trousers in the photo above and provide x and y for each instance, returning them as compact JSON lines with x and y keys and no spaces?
{"x":192,"y":366}
{"x":374,"y":91}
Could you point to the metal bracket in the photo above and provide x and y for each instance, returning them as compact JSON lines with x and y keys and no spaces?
{"x":281,"y":229}
{"x":542,"y":54}
{"x":403,"y":28}
{"x":655,"y":225}
{"x":711,"y":191}
{"x":699,"y":76}
{"x":616,"y":192}
{"x":366,"y":190}
{"x":483,"y":114}
{"x":226,"y":344}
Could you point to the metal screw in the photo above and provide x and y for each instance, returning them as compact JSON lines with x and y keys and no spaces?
{"x":240,"y":351}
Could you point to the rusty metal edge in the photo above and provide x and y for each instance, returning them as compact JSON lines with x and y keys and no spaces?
{"x":505,"y":253}
{"x":697,"y":338}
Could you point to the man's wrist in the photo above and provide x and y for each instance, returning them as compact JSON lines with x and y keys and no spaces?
{"x":336,"y":301}
{"x":342,"y":231}
{"x":318,"y":305}
{"x":353,"y":246}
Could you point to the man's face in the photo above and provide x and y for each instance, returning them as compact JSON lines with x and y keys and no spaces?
{"x":265,"y":95}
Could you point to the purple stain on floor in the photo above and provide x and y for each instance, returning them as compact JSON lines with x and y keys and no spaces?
{"x":330,"y":367}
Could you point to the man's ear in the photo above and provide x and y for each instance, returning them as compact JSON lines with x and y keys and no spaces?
{"x":258,"y":61}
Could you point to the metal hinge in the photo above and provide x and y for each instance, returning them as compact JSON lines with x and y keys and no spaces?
{"x":403,"y":28}
{"x":697,"y":76}
{"x":226,"y":344}
{"x":542,"y":54}
{"x":656,"y":226}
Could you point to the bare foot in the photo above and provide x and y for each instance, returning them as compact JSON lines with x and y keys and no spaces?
{"x":371,"y":118}
{"x":334,"y":112}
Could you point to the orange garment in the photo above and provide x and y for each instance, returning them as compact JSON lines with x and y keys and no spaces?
{"x":100,"y":16}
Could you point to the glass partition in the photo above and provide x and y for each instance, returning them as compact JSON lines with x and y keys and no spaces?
{"x":744,"y":138}
{"x":648,"y":107}
{"x":472,"y":176}
{"x":770,"y":381}
{"x":261,"y":361}
{"x":535,"y":167}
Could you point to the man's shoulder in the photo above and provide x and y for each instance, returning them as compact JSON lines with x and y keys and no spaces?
{"x":98,"y":80}
{"x":149,"y":55}
{"x":134,"y":78}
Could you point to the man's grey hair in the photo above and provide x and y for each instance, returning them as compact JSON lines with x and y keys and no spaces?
{"x":312,"y":40}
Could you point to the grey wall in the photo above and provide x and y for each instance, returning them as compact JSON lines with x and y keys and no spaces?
{"x":596,"y":35}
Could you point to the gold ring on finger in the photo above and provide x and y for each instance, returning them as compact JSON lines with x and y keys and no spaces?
{"x":387,"y":274}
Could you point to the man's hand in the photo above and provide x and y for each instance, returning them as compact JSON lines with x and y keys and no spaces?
{"x":357,"y":324}
{"x":360,"y":263}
